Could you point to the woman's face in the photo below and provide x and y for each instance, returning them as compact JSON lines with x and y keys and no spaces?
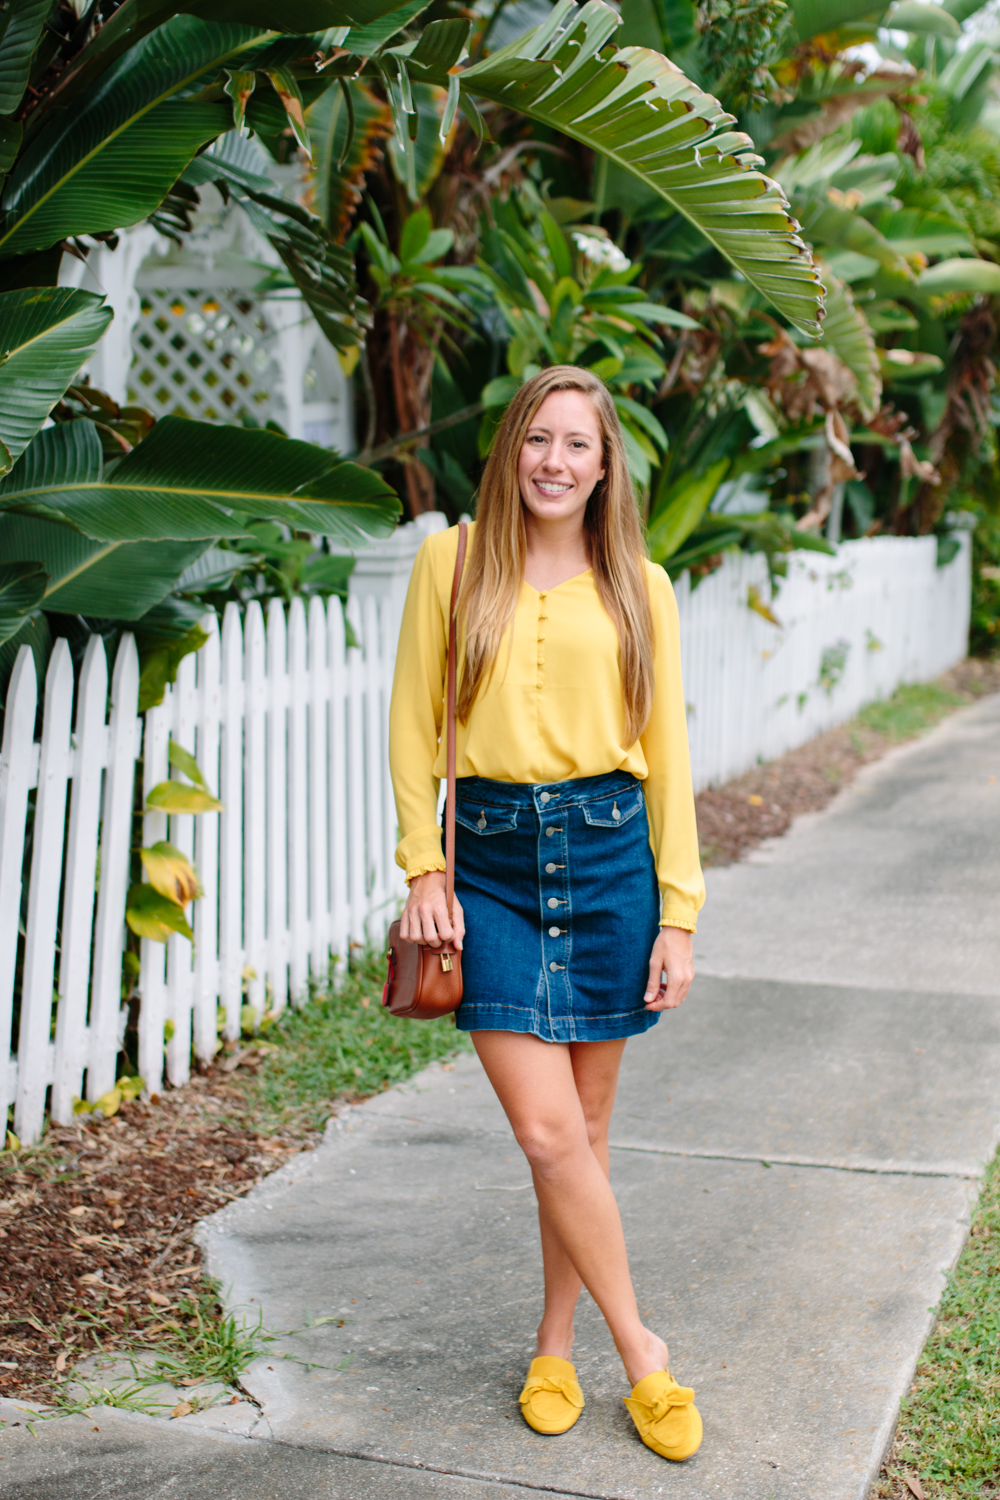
{"x":562,"y":457}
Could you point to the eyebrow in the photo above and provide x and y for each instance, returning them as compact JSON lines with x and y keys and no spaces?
{"x":575,"y":432}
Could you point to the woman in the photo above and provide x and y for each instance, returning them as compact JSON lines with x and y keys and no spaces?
{"x":577,"y":877}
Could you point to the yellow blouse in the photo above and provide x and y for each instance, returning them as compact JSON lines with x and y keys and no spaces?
{"x":552,"y":711}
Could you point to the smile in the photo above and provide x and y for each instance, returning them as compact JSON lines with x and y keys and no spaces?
{"x":552,"y":486}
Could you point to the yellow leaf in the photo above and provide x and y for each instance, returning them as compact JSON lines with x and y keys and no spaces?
{"x":170,"y":872}
{"x":176,"y":797}
{"x":81,"y":1106}
{"x":130,"y":1088}
{"x":761,"y":607}
{"x":110,"y":1103}
{"x":754,"y":800}
{"x":349,"y":359}
{"x":13,"y":1144}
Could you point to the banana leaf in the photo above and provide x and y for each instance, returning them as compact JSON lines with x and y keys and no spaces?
{"x":190,"y":481}
{"x":22,"y":585}
{"x":46,"y":334}
{"x":20,"y":29}
{"x":111,"y":159}
{"x":640,"y":111}
{"x":847,"y":332}
{"x":340,"y":160}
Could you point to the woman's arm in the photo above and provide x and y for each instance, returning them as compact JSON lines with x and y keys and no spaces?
{"x":668,"y":790}
{"x":415,"y":714}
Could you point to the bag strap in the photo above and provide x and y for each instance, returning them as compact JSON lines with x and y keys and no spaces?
{"x":449,"y":817}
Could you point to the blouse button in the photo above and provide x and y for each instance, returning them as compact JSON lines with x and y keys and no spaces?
{"x":553,"y":967}
{"x":554,"y":932}
{"x":550,"y":831}
{"x":552,"y":903}
{"x":550,"y":868}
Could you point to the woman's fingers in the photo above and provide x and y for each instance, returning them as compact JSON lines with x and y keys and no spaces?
{"x":425,"y":916}
{"x":653,"y":983}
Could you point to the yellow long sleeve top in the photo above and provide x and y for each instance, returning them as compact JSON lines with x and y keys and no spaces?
{"x":552,"y":711}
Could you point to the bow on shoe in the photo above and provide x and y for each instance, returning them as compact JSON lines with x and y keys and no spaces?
{"x":665,"y":1416}
{"x":559,"y":1385}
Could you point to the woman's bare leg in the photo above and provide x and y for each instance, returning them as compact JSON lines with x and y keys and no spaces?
{"x":595,"y":1071}
{"x":536,"y":1084}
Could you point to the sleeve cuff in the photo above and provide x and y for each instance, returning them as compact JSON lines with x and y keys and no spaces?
{"x":421,"y":851}
{"x":672,"y":917}
{"x":425,"y":868}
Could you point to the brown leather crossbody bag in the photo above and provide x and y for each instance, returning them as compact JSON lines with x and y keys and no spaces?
{"x":424,"y":983}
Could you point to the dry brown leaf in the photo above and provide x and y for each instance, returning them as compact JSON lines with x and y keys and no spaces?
{"x":61,"y":1360}
{"x":181,"y":1409}
{"x":914,"y":1486}
{"x":159,"y":1299}
{"x":192,"y":1380}
{"x":81,"y":1208}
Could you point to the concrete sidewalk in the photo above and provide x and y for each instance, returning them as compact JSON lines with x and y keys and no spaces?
{"x":794,"y":1155}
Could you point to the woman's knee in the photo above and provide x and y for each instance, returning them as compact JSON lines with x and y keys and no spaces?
{"x":548,"y":1144}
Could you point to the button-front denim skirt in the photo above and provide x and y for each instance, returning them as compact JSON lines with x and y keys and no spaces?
{"x":561,"y":905}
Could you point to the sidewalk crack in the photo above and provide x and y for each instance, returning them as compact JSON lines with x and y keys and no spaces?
{"x":888,"y":1168}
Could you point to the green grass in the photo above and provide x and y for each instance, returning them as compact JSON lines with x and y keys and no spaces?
{"x":949,"y":1427}
{"x":909,"y":710}
{"x":341,"y":1043}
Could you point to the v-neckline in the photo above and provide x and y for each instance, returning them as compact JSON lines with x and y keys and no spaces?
{"x":555,"y":586}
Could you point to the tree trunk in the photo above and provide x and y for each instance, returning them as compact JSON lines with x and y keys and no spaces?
{"x":412,"y":368}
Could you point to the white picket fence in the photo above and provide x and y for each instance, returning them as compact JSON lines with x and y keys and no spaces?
{"x":852,"y":629}
{"x":289,"y":725}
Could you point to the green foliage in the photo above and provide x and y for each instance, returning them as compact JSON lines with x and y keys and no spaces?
{"x":949,"y":1426}
{"x":342,"y":1042}
{"x":909,"y":710}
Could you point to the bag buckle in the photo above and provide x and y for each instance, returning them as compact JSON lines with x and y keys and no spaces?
{"x":446,"y":963}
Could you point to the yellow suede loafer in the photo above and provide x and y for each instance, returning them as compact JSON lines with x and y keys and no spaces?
{"x":665,"y":1416}
{"x":552,"y":1399}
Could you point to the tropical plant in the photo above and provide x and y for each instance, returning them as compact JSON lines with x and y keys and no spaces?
{"x":566,"y":296}
{"x":127,"y":110}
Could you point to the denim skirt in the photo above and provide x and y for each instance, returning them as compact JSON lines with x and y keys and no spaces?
{"x":561,"y":905}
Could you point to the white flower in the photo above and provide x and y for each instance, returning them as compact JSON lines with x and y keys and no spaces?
{"x":601,"y":252}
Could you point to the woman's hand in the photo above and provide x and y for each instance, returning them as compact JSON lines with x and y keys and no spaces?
{"x":425,"y":915}
{"x":673,"y":954}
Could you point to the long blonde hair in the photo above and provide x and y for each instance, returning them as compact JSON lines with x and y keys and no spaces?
{"x":495,"y":569}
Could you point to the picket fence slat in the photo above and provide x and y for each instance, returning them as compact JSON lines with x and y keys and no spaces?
{"x":90,"y":752}
{"x":206,"y":848}
{"x":254,"y":808}
{"x":277,"y":807}
{"x":54,"y":766}
{"x":180,"y":968}
{"x":320,"y":926}
{"x":290,"y":725}
{"x":298,"y":805}
{"x":153,"y":1015}
{"x":17,"y":776}
{"x":340,"y":910}
{"x":231,"y":958}
{"x":124,"y":748}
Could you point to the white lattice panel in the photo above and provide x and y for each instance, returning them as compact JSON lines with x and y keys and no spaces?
{"x":205,"y":353}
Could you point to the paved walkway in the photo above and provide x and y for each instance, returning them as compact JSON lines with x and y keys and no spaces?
{"x":794,"y":1155}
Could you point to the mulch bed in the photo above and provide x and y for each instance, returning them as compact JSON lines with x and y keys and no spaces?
{"x":762,"y":803}
{"x":96,"y":1251}
{"x":95,"y":1227}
